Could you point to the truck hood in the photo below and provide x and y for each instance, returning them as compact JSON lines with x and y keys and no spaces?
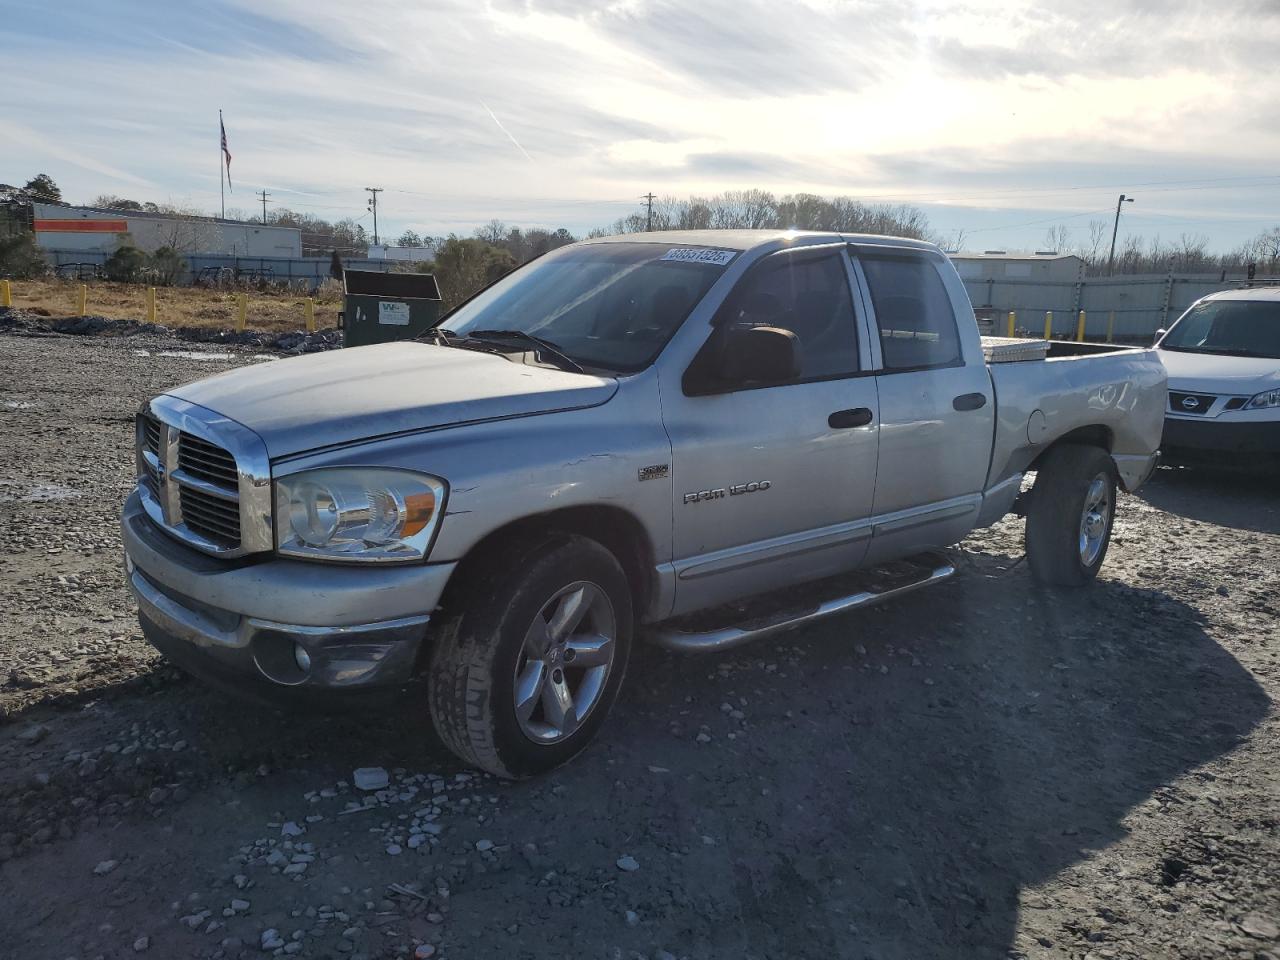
{"x":341,"y":396}
{"x":1215,"y":373}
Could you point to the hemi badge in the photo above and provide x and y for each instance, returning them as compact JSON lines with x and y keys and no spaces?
{"x":655,"y":472}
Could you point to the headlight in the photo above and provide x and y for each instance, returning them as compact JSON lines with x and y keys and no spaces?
{"x":1268,"y":398}
{"x":357,"y":513}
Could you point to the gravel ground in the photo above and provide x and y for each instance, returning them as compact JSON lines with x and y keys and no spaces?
{"x":986,"y":770}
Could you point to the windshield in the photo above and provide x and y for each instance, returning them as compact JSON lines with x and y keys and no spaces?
{"x":605,"y":305}
{"x":1238,"y":328}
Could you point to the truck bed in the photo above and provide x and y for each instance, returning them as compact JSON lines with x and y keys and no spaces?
{"x":1114,"y":394}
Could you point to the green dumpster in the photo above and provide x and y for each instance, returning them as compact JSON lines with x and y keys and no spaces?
{"x":381,"y":307}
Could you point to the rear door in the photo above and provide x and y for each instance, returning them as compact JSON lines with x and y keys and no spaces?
{"x":773,"y":483}
{"x":937,"y":410}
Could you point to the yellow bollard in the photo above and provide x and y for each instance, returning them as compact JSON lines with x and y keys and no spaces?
{"x":1048,"y":324}
{"x":310,"y":312}
{"x":151,"y":304}
{"x":242,"y":310}
{"x":1012,"y":321}
{"x":1111,"y":325}
{"x":1080,"y":328}
{"x":83,"y":300}
{"x":6,"y":295}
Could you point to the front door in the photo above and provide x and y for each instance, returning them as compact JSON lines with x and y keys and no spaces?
{"x":773,"y":483}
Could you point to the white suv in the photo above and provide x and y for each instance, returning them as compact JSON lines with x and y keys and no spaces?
{"x":1223,"y":358}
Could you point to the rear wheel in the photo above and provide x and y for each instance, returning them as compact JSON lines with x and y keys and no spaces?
{"x":522,"y":677}
{"x":1070,"y":514}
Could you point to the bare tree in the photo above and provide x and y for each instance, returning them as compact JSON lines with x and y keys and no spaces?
{"x":1057,"y":238}
{"x":1091,"y":251}
{"x":954,"y":241}
{"x":492,"y":232}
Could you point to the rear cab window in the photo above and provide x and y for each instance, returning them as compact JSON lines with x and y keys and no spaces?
{"x":914,"y":314}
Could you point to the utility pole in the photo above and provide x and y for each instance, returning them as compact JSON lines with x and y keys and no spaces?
{"x":263,"y":194}
{"x":373,"y":207}
{"x":648,"y":220}
{"x":1111,"y":260}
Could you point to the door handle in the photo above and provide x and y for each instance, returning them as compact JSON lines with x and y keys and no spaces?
{"x":844,"y":419}
{"x":970,"y":401}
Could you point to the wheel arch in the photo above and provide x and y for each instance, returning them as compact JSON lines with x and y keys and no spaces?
{"x":1092,"y":435}
{"x":618,"y":530}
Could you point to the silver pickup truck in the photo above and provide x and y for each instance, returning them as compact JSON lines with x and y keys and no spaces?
{"x":659,"y":436}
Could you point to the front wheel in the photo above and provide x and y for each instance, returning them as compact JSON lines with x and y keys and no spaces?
{"x":1070,"y":514}
{"x":525,"y":672}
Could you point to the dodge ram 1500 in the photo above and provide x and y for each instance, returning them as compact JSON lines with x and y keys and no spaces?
{"x":661,"y":436}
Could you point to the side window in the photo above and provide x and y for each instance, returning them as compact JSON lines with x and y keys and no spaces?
{"x":809,"y":295}
{"x":913,"y":311}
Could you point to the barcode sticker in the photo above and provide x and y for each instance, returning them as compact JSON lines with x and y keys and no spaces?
{"x":699,"y":255}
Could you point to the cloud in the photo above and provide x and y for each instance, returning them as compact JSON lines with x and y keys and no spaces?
{"x":977,"y":103}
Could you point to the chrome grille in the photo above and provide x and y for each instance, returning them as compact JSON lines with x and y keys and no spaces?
{"x":151,"y":433}
{"x":207,"y":462}
{"x":1196,"y":403}
{"x":210,"y":516}
{"x":204,"y":479}
{"x":151,"y":443}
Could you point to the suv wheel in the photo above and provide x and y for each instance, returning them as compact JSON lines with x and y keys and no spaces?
{"x":524,"y":675}
{"x":1070,"y":514}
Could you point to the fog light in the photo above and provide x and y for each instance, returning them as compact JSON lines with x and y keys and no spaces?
{"x":301,"y":657}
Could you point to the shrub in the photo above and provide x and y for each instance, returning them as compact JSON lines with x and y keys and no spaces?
{"x":329,"y":289}
{"x":20,"y":258}
{"x":126,"y":264}
{"x":166,"y":266}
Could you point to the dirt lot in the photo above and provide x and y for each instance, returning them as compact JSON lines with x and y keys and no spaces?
{"x":987,"y":770}
{"x":270,"y":311}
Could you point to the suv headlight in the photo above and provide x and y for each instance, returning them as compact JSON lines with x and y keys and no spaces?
{"x":1268,"y":398}
{"x":357,"y":514}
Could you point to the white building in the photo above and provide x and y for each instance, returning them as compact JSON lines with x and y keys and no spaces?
{"x":94,"y":230}
{"x":1044,"y":265}
{"x":404,"y":254}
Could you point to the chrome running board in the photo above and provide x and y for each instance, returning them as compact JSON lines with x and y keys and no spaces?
{"x":673,"y":636}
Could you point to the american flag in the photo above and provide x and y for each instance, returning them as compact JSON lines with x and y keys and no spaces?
{"x":225,"y":152}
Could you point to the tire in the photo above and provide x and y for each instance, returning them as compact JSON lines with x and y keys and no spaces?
{"x":482,"y":657}
{"x":1060,"y":548}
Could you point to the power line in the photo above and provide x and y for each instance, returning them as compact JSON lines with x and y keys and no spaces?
{"x":264,"y":195}
{"x":648,"y":219}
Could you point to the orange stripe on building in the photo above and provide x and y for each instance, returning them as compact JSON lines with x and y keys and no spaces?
{"x":82,"y":226}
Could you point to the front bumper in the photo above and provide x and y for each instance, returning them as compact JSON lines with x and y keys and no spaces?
{"x":1212,"y":439}
{"x":278,"y":623}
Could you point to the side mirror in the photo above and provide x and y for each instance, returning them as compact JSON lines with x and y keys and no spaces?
{"x":758,"y":355}
{"x":1159,"y":333}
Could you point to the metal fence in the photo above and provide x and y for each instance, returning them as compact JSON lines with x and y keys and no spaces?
{"x":311,"y":270}
{"x":1142,"y":304}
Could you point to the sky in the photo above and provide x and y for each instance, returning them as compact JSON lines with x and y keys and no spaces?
{"x":1003,"y":120}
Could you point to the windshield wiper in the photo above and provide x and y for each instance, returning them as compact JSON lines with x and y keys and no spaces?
{"x":441,"y":338}
{"x":565,"y":361}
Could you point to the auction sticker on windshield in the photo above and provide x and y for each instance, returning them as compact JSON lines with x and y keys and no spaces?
{"x":696,"y":255}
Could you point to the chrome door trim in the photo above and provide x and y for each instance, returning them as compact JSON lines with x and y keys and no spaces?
{"x":928,"y":513}
{"x":779,"y":548}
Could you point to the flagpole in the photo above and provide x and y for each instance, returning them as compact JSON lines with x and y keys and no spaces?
{"x":222,"y":174}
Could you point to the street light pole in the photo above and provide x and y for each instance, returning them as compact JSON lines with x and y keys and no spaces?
{"x":1111,"y":259}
